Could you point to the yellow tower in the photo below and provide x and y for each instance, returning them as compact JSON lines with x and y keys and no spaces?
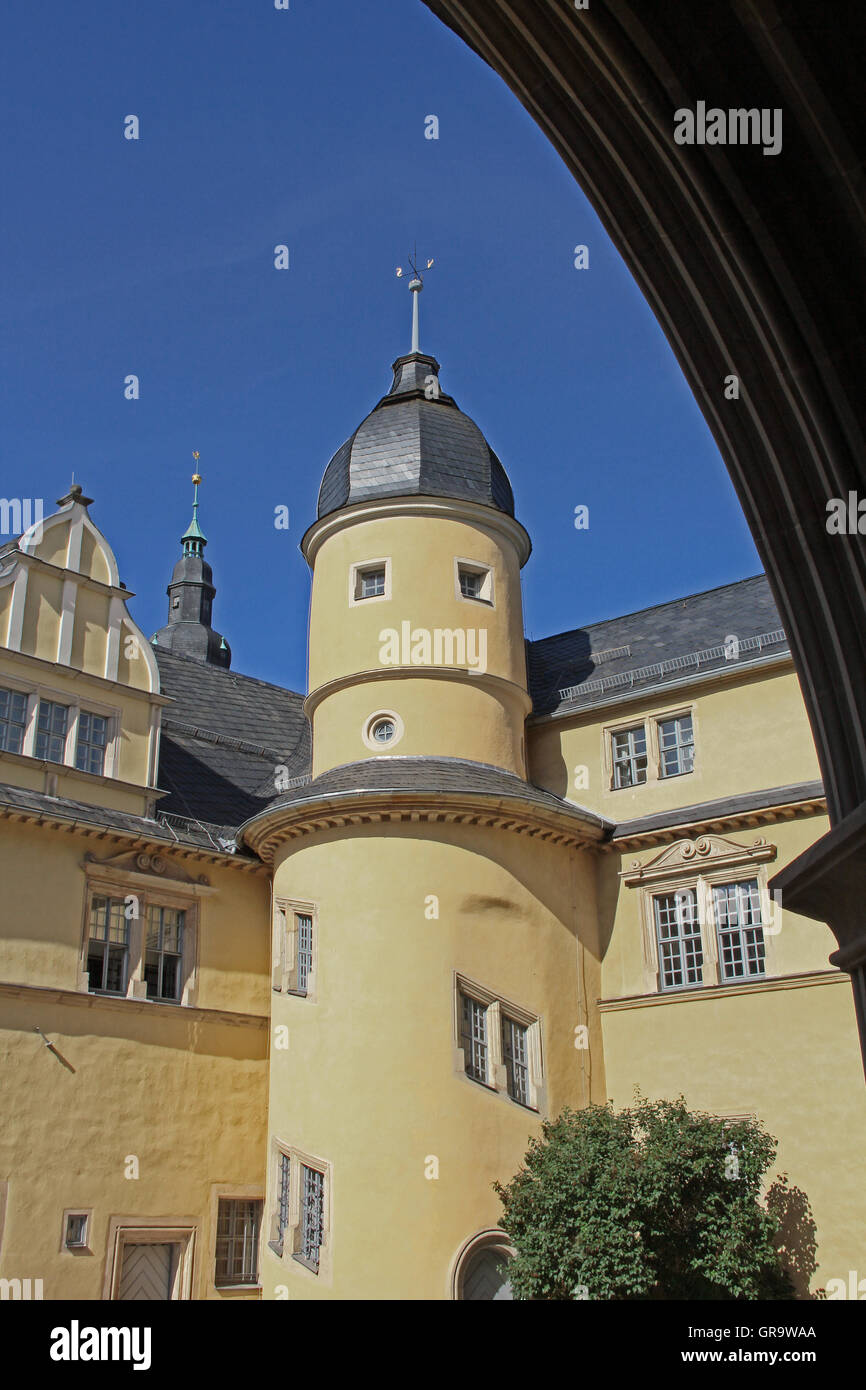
{"x":430,"y":906}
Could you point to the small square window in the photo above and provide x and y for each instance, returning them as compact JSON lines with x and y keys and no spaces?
{"x":371,"y":582}
{"x":75,"y":1235}
{"x":474,"y":581}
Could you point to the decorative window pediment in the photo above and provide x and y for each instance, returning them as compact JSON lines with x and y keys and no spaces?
{"x":689,"y":857}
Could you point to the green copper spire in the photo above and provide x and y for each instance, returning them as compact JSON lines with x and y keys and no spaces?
{"x":194,"y":539}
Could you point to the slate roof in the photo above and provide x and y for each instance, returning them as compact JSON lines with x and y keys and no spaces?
{"x":625,"y":647}
{"x":437,"y":776}
{"x":410,"y":445}
{"x":724,"y":806}
{"x":223,"y":738}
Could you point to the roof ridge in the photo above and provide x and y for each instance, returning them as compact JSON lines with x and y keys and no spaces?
{"x":636,"y":612}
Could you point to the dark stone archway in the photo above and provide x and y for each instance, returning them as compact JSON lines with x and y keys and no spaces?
{"x":754,"y":265}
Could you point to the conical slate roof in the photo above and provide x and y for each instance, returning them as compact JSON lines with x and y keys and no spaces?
{"x":415,"y":443}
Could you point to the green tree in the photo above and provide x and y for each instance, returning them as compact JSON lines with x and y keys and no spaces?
{"x":654,"y":1201}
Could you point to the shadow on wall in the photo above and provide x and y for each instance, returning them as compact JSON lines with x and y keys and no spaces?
{"x":797,"y":1241}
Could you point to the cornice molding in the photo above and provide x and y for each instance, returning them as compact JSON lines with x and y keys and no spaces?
{"x":75,"y":673}
{"x":73,"y":824}
{"x":186,"y":1013}
{"x":726,"y":991}
{"x":267,"y":832}
{"x":718,"y":824}
{"x":442,"y":508}
{"x":461,"y":674}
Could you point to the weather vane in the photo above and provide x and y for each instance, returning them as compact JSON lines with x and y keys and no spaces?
{"x":416,"y":285}
{"x":196,"y":477}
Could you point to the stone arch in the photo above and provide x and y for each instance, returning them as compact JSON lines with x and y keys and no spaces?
{"x":755,"y":266}
{"x":478,"y":1273}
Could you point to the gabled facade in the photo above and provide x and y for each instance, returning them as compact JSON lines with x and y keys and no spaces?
{"x":288,"y":982}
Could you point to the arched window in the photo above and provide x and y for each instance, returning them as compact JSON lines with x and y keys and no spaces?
{"x":481,"y":1268}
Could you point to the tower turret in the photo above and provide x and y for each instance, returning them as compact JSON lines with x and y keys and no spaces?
{"x":190,"y":600}
{"x":416,"y":622}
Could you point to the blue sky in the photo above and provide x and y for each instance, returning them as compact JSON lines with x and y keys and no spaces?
{"x":156,"y":257}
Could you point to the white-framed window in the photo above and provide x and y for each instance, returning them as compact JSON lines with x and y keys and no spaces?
{"x":300,"y":1208}
{"x":678,"y":935}
{"x":473,"y":581}
{"x":370,"y":581}
{"x":499,"y":1044}
{"x":629,"y":756}
{"x":237,"y":1241}
{"x":740,"y":929}
{"x":295,"y":948}
{"x":108,"y":945}
{"x":140,"y":944}
{"x":13,"y":720}
{"x":707,"y":916}
{"x":650,"y":748}
{"x":676,"y":745}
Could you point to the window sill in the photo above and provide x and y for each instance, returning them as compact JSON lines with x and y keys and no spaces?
{"x":238,"y":1288}
{"x":308,"y":1264}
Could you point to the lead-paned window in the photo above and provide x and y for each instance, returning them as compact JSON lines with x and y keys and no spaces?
{"x":163,"y":957}
{"x":13,"y":718}
{"x":304,"y":949}
{"x":312,"y":1224}
{"x":473,"y":1037}
{"x":737,"y":911}
{"x":678,"y":933}
{"x":629,"y":757}
{"x":515,"y":1055}
{"x":90,"y":746}
{"x":108,"y":946}
{"x":237,"y":1243}
{"x":676,"y":745}
{"x":51,"y":725}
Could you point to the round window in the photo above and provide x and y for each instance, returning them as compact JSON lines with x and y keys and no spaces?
{"x":382,"y":730}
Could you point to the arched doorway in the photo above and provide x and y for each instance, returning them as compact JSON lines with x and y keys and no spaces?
{"x":481,"y":1269}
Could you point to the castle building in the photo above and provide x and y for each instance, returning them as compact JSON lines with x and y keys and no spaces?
{"x":287,"y":983}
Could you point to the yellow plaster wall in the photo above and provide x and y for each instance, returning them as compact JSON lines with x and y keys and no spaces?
{"x":187,"y":1098}
{"x":42,"y":918}
{"x":442,"y":718}
{"x":422,"y":551}
{"x":750,"y":734}
{"x":41,"y":627}
{"x":380,"y":1038}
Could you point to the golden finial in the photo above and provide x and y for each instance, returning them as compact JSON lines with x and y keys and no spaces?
{"x":196,"y":477}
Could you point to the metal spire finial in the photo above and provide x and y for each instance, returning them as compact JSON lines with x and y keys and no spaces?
{"x":416,"y":285}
